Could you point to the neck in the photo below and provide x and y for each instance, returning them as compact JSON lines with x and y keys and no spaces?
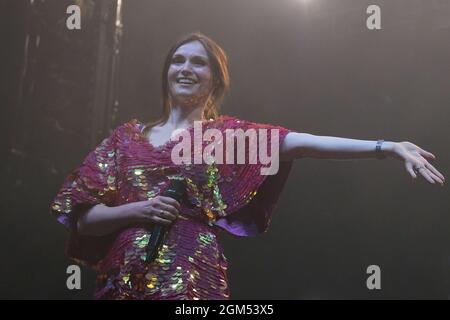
{"x":184,"y":116}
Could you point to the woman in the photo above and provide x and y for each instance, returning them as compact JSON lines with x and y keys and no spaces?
{"x":112,"y":201}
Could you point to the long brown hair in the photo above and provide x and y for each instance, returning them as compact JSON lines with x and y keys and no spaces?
{"x":221,"y":79}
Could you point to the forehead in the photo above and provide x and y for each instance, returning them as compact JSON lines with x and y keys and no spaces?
{"x":194,"y":48}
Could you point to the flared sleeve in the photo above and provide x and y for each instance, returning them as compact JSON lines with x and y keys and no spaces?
{"x":244,"y":195}
{"x":92,"y":183}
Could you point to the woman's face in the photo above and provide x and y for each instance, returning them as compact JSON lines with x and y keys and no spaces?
{"x":189,"y":75}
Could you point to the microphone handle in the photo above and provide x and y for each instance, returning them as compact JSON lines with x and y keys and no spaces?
{"x":174,"y":191}
{"x":156,"y":238}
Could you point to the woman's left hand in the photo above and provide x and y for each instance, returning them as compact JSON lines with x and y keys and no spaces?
{"x":416,"y":161}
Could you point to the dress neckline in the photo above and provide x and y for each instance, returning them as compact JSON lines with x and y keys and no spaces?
{"x":169,"y":142}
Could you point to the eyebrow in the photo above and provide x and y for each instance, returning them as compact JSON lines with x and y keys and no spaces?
{"x":180,"y":55}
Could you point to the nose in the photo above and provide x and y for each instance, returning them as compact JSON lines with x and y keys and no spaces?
{"x":186,"y":69}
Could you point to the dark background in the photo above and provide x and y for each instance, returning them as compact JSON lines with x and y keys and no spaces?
{"x":311,"y":66}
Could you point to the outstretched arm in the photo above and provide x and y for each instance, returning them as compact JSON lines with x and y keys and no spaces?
{"x":305,"y":145}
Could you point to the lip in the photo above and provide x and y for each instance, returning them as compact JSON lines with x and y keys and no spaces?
{"x":186,"y":85}
{"x":195,"y":82}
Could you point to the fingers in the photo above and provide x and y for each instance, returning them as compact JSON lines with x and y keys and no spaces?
{"x":430,"y":172}
{"x":169,"y":201}
{"x":435,"y":171}
{"x":167,"y":208}
{"x":433,"y":176}
{"x":427,"y":175}
{"x":426,"y":170}
{"x":157,"y":215}
{"x":410,"y":169}
{"x":162,"y":210}
{"x":167,"y":215}
{"x":161,"y":221}
{"x":426,"y":154}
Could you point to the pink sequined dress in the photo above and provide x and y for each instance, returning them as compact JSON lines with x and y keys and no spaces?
{"x":125,"y":168}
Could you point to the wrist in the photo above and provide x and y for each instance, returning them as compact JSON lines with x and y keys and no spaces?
{"x":128,"y":213}
{"x":388,"y":149}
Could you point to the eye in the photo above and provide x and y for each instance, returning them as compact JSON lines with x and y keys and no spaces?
{"x":200,"y":62}
{"x":177,"y":60}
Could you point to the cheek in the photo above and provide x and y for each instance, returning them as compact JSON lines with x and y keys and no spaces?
{"x":207,"y":78}
{"x":171,"y":73}
{"x":205,"y":73}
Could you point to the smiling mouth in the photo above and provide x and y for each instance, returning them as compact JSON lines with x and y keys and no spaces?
{"x":186,"y":81}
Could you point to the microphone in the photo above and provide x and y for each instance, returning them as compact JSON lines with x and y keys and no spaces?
{"x":176,"y":191}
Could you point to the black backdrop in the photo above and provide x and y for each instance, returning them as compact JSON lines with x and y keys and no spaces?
{"x":311,"y":66}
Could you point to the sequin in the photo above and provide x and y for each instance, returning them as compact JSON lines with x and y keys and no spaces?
{"x":142,"y":242}
{"x":125,"y":168}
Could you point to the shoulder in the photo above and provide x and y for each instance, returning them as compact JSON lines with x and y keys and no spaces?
{"x":125,"y":131}
{"x":128,"y":127}
{"x":226,"y":121}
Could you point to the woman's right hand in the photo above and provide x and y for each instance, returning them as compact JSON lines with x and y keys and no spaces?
{"x":160,"y":210}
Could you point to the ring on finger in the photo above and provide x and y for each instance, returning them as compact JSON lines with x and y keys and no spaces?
{"x":418,"y":169}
